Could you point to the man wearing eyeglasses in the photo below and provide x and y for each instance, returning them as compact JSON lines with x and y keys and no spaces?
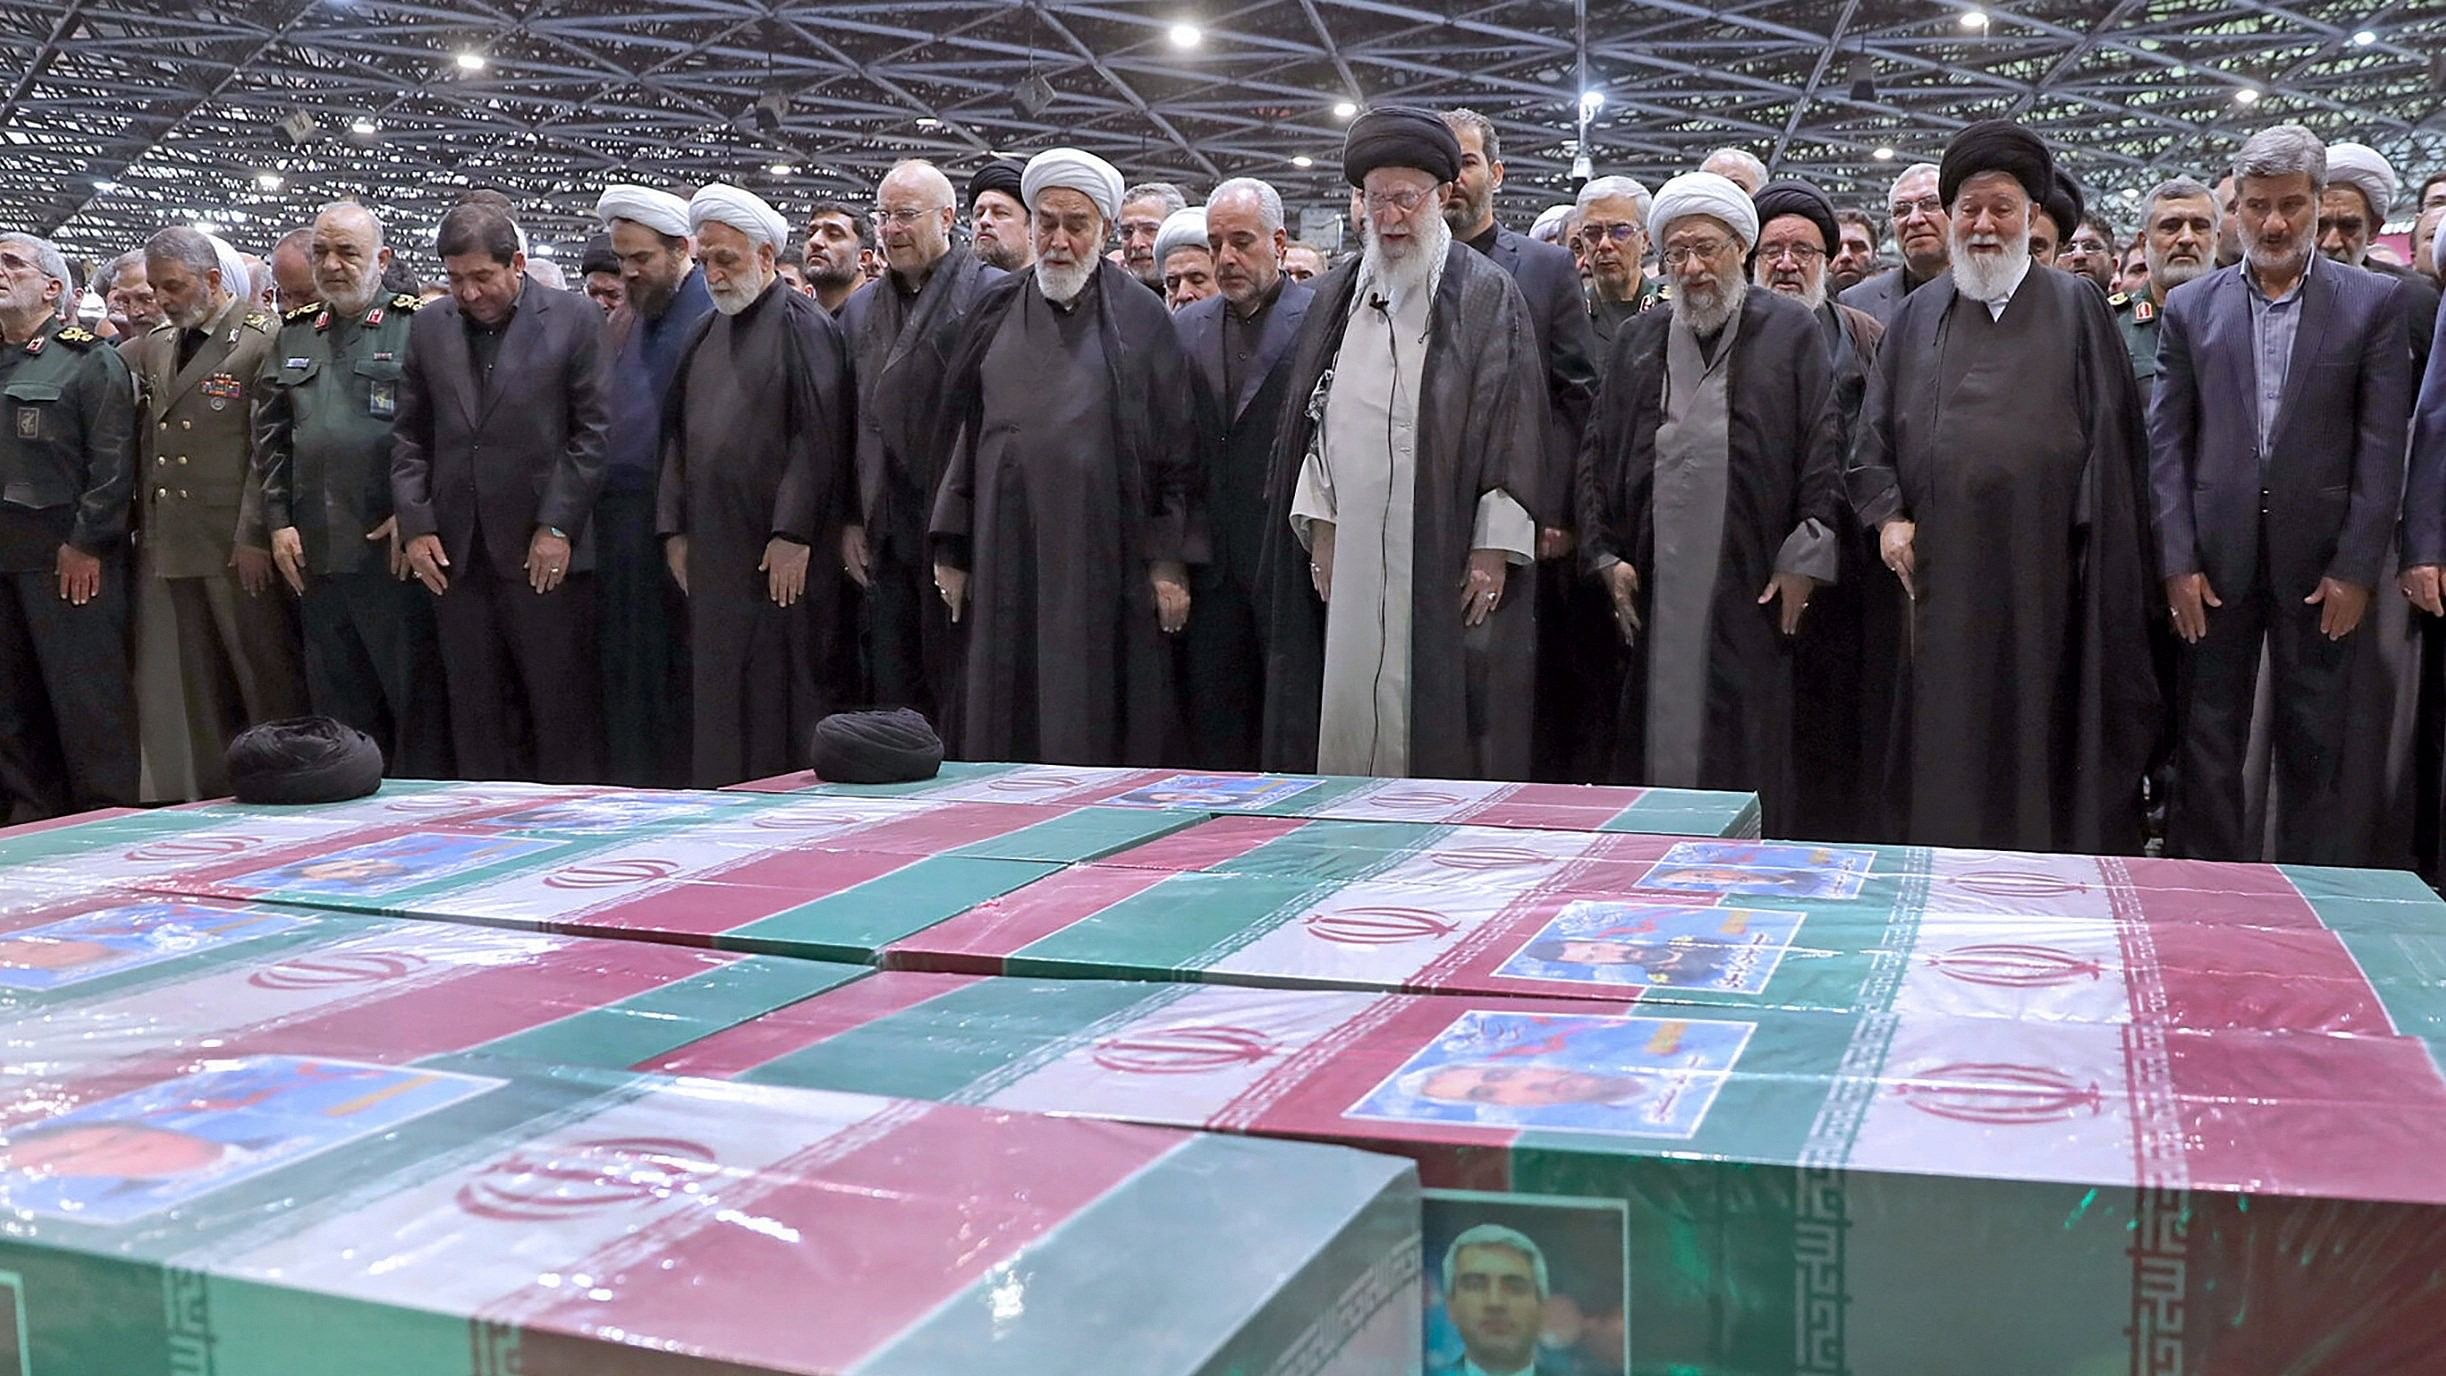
{"x":1558,"y":318}
{"x":1922,"y":232}
{"x":1408,"y":480}
{"x":900,"y":335}
{"x":1613,"y":216}
{"x":1144,"y":208}
{"x":1711,"y":535}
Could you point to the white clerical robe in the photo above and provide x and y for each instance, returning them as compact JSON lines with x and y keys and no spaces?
{"x":1361,"y":475}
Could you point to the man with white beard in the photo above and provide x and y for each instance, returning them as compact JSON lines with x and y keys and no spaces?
{"x":1068,"y":503}
{"x":755,"y":452}
{"x":1403,"y":491}
{"x":1845,"y":654}
{"x":1998,"y":458}
{"x":1712,"y":532}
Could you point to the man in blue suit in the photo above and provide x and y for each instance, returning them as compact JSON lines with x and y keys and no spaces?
{"x":2276,"y":442}
{"x":1239,"y":347}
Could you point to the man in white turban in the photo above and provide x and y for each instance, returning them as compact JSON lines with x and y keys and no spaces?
{"x":1182,"y":256}
{"x":1067,"y":512}
{"x":2361,"y":188}
{"x":644,"y":618}
{"x":1710,"y":532}
{"x":755,"y":455}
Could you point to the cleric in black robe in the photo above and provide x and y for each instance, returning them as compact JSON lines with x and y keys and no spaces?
{"x":1709,"y":492}
{"x":1850,"y":646}
{"x":755,"y":448}
{"x":1999,"y":458}
{"x":900,"y":333}
{"x":1436,"y":410}
{"x":1066,"y":511}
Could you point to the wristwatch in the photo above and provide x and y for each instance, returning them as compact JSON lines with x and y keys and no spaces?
{"x":556,"y":532}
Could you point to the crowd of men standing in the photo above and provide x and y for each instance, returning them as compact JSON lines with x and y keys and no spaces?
{"x":1681,"y":487}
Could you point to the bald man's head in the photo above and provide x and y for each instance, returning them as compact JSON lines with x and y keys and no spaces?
{"x":914,"y":209}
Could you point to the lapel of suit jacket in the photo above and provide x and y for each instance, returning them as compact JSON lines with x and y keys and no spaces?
{"x":177,"y":381}
{"x":2318,"y":308}
{"x":2235,"y":340}
{"x":1205,"y":346}
{"x":521,"y":335}
{"x":452,"y":369}
{"x":1280,"y":328}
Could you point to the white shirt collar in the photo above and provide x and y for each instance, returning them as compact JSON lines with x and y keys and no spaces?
{"x":1996,"y":308}
{"x":1470,"y":1368}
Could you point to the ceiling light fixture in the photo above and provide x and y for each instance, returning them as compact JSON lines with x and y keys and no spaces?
{"x":2365,"y":38}
{"x":361,"y":126}
{"x":2246,"y":95}
{"x":1303,"y":160}
{"x":1345,"y":109}
{"x":1974,"y":19}
{"x":471,"y":62}
{"x":1883,"y":154}
{"x":1186,"y":36}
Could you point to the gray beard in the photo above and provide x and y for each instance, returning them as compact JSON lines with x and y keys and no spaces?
{"x":732,"y":300}
{"x":1982,"y":278}
{"x":360,"y":296}
{"x":2294,"y":261}
{"x":1413,"y":271}
{"x":1062,"y":283}
{"x":996,"y":254}
{"x":1710,"y":317}
{"x":1812,"y":292}
{"x":2166,"y":277}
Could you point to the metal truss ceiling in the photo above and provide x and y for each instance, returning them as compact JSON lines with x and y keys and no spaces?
{"x":117,"y":117}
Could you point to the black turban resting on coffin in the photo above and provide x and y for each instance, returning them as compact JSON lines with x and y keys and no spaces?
{"x":1996,"y":145}
{"x":1400,"y":136}
{"x":889,"y":747}
{"x":1794,"y":197}
{"x":1002,"y":174}
{"x":2064,"y":206}
{"x":303,"y":760}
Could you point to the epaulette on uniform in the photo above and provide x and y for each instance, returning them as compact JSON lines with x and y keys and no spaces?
{"x":304,"y":312}
{"x":259,"y":322}
{"x":76,"y":336}
{"x":2120,"y":300}
{"x":406,"y":301}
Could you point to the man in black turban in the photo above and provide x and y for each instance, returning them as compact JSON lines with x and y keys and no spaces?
{"x":1998,"y":459}
{"x":1420,"y":454}
{"x":998,"y":216}
{"x":2059,"y":214}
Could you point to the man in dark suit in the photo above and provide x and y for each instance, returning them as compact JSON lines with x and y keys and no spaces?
{"x":1573,"y":618}
{"x":1239,"y":346}
{"x":2276,"y":462}
{"x":1924,"y":235}
{"x":496,"y":461}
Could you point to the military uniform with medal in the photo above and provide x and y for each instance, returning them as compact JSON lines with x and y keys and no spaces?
{"x":219,"y":652}
{"x":324,"y":403}
{"x":67,"y":450}
{"x":2136,"y":321}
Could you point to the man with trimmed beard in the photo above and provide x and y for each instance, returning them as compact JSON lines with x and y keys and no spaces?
{"x":740,"y":504}
{"x":1921,"y":235}
{"x":217,"y":647}
{"x":1844,"y":657}
{"x":1182,"y":256}
{"x":2276,"y":454}
{"x":1067,"y":509}
{"x":1144,"y":208}
{"x":1857,"y":258}
{"x":646,"y":712}
{"x":997,"y":221}
{"x":1558,"y":319}
{"x":2090,"y":252}
{"x":1709,"y":498}
{"x":1239,"y":343}
{"x":324,"y":404}
{"x":838,"y":237}
{"x":2360,"y":192}
{"x":2179,"y":231}
{"x":1613,"y":230}
{"x":127,"y":301}
{"x":900,"y":336}
{"x":1406,"y":484}
{"x":1998,"y":459}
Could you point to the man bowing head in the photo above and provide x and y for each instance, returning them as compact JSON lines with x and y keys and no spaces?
{"x":1403,"y":491}
{"x":1999,"y":459}
{"x":755,"y":447}
{"x":1067,"y":506}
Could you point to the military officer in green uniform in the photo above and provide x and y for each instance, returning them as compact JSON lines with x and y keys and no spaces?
{"x":67,"y":453}
{"x":219,"y":653}
{"x":2178,"y":223}
{"x":323,"y":409}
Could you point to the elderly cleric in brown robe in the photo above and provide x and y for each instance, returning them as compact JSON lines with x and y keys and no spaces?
{"x":1709,"y":504}
{"x":1067,"y":510}
{"x":1998,"y":458}
{"x":1405,"y":491}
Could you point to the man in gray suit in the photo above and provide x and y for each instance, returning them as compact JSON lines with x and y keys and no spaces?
{"x":2276,"y":462}
{"x":1239,"y":346}
{"x":1922,"y":232}
{"x":497,"y":457}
